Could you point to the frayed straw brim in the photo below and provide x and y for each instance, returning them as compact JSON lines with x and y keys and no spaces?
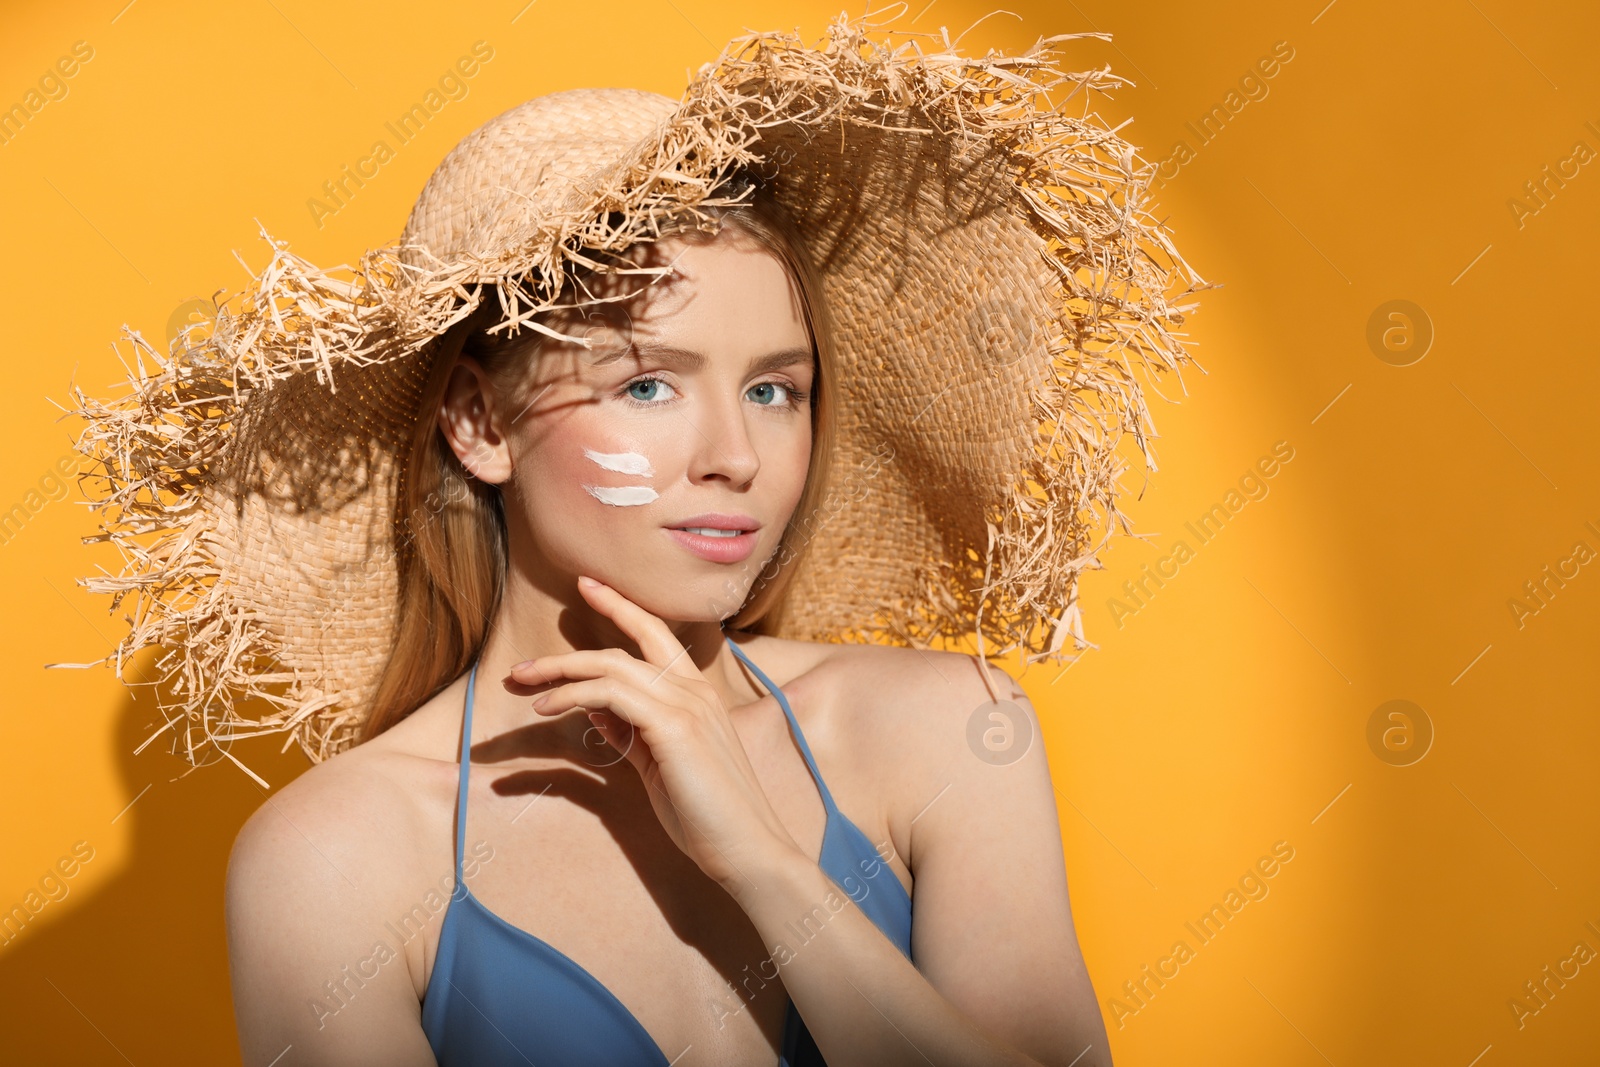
{"x":998,"y":287}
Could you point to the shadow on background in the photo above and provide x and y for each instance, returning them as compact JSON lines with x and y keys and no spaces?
{"x":101,"y":979}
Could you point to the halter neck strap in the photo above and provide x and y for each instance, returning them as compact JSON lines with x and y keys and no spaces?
{"x":466,"y":760}
{"x":794,"y":725}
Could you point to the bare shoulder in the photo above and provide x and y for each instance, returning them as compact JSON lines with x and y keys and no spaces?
{"x":973,"y":808}
{"x":356,"y":811}
{"x":922,"y":678}
{"x":312,"y":875}
{"x":910,"y":723}
{"x":318,"y":849}
{"x":329,"y":819}
{"x":917,"y":700}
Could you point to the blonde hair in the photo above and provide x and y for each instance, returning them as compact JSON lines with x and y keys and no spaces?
{"x":452,"y":548}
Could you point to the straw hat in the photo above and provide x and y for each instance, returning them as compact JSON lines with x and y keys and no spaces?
{"x":987,"y":260}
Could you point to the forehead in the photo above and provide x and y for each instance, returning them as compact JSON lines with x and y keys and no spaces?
{"x":725,"y":296}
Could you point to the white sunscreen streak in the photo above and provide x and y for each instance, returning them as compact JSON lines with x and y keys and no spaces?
{"x":622,"y":496}
{"x":621,"y":462}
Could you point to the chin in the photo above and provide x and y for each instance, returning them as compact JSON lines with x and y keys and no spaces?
{"x":699,"y":598}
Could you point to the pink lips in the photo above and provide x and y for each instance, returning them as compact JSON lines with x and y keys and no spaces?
{"x":718,"y":549}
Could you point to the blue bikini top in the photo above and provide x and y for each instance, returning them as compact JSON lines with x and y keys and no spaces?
{"x":498,"y":995}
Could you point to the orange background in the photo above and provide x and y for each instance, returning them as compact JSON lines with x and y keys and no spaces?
{"x":1229,"y":712}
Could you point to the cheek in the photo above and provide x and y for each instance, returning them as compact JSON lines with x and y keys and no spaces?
{"x":550,"y":474}
{"x":622,"y":479}
{"x":562,"y":476}
{"x":797,"y":461}
{"x":590,"y":472}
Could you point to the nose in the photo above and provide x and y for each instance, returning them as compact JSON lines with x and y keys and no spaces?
{"x":722,"y":447}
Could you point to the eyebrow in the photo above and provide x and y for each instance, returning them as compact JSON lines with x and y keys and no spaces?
{"x":684,"y":358}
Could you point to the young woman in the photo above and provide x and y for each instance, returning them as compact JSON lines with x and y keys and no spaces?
{"x":591,"y":543}
{"x":646,"y":796}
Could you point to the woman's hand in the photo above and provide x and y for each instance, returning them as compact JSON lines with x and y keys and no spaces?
{"x":669,"y":722}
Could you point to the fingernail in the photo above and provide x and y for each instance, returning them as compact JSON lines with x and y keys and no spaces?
{"x":587,"y":582}
{"x":524,"y":665}
{"x":539,"y":701}
{"x":597,"y":718}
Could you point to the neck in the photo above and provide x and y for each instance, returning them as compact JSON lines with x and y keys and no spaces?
{"x":534,"y":620}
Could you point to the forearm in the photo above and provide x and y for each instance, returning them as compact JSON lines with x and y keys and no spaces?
{"x":862,"y":1000}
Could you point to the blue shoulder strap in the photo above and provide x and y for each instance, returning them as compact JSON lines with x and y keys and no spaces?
{"x":466,"y":760}
{"x":794,"y":725}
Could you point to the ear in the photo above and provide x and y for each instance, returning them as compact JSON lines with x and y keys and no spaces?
{"x":471,"y":419}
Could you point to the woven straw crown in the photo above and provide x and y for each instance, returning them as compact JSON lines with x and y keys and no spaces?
{"x":986,"y":259}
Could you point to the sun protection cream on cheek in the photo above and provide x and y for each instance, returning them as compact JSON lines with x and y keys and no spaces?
{"x":621,"y":462}
{"x":622,"y":496}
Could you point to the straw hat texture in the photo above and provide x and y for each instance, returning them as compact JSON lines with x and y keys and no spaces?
{"x":997,"y":289}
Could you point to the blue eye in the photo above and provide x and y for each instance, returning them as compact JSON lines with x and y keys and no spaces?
{"x":647,"y":384}
{"x":644,"y":392}
{"x":769,"y":386}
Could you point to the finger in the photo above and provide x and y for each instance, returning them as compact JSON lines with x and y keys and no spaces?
{"x":589,"y":663}
{"x":655,"y":639}
{"x":623,"y":739}
{"x":647,"y":713}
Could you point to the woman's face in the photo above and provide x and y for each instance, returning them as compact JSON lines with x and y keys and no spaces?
{"x":666,"y":460}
